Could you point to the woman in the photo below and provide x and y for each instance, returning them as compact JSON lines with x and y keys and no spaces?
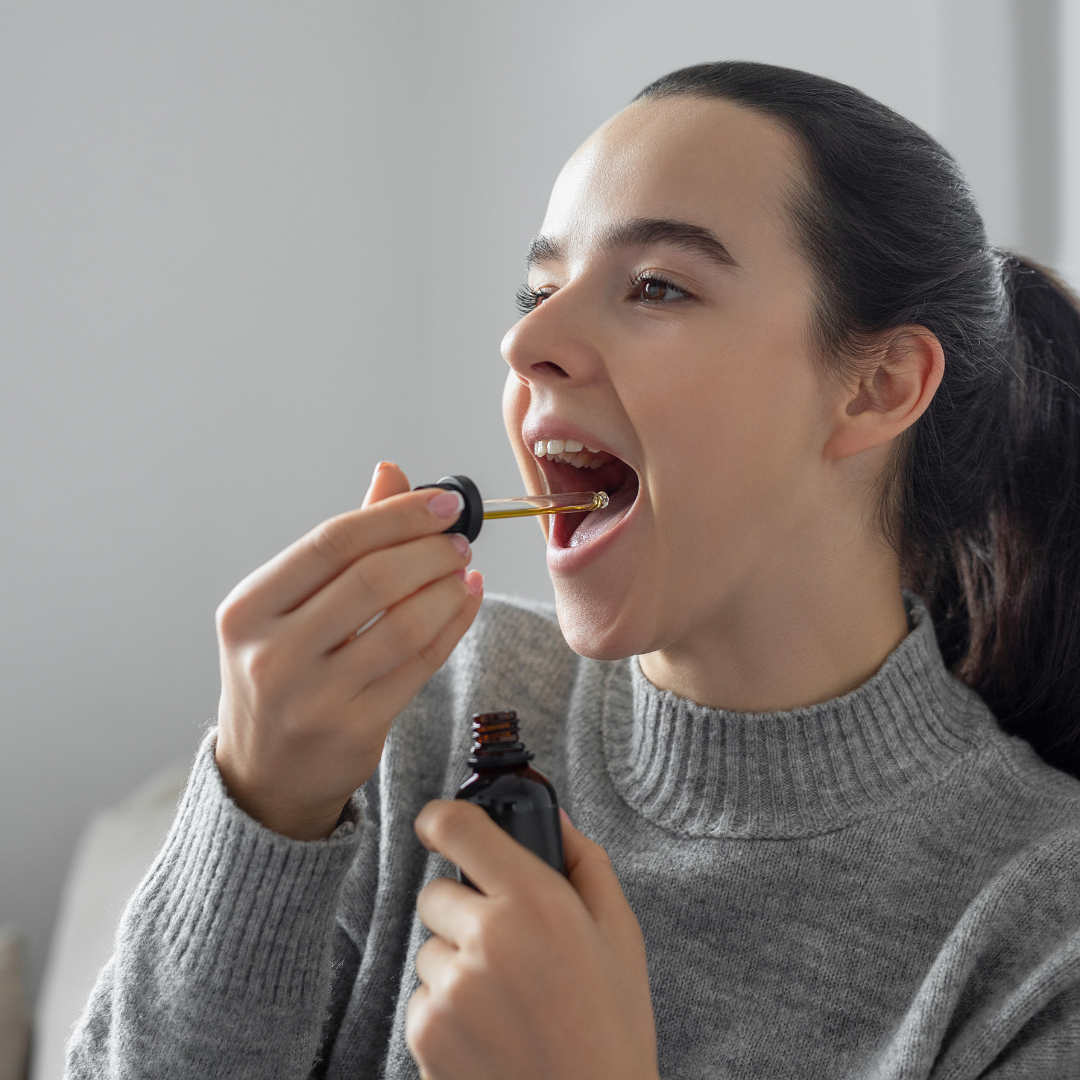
{"x":764,"y":306}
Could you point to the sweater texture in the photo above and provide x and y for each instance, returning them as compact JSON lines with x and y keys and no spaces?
{"x":883,"y":886}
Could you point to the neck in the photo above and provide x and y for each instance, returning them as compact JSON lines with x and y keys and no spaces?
{"x":784,"y":640}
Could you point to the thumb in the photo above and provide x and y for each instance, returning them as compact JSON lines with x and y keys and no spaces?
{"x":593,"y":877}
{"x":388,"y":480}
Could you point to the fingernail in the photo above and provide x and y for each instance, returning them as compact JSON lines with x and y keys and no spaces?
{"x":475,"y":582}
{"x":460,"y":543}
{"x":446,"y":504}
{"x":565,"y":816}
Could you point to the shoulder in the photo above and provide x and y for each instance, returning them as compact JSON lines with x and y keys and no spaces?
{"x":1037,"y":785}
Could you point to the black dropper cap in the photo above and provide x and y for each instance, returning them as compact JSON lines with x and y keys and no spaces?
{"x":472,"y":516}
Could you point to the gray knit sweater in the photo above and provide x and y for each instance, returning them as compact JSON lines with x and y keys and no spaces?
{"x":880,"y":886}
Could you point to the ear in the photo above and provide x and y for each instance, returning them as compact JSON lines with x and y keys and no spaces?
{"x":893,"y":391}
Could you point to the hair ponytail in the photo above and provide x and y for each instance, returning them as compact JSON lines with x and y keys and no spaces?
{"x":1005,"y":598}
{"x":983,"y":501}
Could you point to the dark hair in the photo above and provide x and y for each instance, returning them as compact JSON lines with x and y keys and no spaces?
{"x":982,"y":500}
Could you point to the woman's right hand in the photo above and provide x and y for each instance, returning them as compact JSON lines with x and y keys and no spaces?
{"x":306,"y":703}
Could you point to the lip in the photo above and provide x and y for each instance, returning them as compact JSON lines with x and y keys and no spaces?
{"x":569,"y":560}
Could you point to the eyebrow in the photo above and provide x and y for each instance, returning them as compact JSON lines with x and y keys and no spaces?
{"x":641,"y":232}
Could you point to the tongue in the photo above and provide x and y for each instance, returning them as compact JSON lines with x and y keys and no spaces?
{"x":598,"y":522}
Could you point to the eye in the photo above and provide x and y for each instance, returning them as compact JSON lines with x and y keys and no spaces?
{"x":653,"y":290}
{"x":530,"y":299}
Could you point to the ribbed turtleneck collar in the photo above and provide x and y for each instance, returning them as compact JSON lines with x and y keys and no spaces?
{"x":703,"y":772}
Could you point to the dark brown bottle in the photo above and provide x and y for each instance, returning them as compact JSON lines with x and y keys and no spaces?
{"x":517,"y":797}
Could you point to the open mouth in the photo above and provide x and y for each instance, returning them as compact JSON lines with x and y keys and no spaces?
{"x":572,"y":467}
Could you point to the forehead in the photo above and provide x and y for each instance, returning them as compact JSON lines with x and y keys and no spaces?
{"x":709,"y":162}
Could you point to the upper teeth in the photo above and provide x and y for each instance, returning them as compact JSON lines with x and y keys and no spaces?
{"x":569,"y":451}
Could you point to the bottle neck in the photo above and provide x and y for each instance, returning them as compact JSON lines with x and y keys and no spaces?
{"x":496,"y":744}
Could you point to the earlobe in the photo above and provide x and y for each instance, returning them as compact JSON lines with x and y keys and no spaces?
{"x":893,"y":392}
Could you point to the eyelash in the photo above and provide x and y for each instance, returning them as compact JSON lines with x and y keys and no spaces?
{"x":530,"y":299}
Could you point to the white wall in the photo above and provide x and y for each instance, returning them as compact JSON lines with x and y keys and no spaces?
{"x":1003,"y":63}
{"x":1069,"y":60}
{"x":247,"y":249}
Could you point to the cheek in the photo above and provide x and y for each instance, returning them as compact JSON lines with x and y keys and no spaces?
{"x":727,"y":434}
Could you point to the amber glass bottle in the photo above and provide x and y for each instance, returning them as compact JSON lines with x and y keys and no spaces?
{"x":517,"y":797}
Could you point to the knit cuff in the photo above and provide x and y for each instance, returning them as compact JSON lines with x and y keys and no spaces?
{"x":235,"y":907}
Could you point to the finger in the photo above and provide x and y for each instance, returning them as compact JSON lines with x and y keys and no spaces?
{"x":375,"y":583}
{"x":291,"y":577}
{"x":390,"y":694}
{"x":493,"y":861}
{"x":435,"y":1038}
{"x":434,"y":962}
{"x":387,"y":480}
{"x":416,"y":1020}
{"x":406,"y":630}
{"x":451,"y":910}
{"x":593,"y":877}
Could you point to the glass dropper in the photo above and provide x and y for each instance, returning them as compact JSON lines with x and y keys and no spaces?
{"x":572,"y":502}
{"x":477,"y":509}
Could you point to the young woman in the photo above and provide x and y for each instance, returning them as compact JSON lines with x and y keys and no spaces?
{"x":762,"y":314}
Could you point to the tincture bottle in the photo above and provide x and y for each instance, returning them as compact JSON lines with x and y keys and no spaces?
{"x":518,"y":798}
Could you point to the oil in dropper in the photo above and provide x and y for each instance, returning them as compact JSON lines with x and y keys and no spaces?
{"x":572,"y":502}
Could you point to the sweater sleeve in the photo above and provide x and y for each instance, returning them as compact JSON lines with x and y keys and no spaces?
{"x":1048,"y":1046}
{"x":1001,"y":1000}
{"x":222,"y":960}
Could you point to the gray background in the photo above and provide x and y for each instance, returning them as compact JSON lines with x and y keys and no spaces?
{"x":249,"y":248}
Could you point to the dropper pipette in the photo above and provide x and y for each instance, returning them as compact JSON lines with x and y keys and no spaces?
{"x":572,"y":502}
{"x":476,"y":510}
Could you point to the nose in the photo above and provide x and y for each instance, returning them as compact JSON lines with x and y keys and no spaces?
{"x":556,"y":343}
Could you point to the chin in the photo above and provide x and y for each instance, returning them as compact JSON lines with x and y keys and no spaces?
{"x":600,"y":628}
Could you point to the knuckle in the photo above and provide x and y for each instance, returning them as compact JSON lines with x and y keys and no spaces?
{"x":431,"y":892}
{"x":448,"y":820}
{"x":483,"y":945}
{"x":456,"y":992}
{"x":423,"y":954}
{"x":328,"y":540}
{"x":428,"y":1019}
{"x":367,"y":582}
{"x":418,"y":1027}
{"x":474,"y":934}
{"x":262,"y":665}
{"x":595,"y":853}
{"x":494,"y":938}
{"x":231,"y":618}
{"x":430,"y":657}
{"x":293,"y":726}
{"x":402,"y":634}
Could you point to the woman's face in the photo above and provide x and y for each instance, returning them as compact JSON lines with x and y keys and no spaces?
{"x":669,"y":337}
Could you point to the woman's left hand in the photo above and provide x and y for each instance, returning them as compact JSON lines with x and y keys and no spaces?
{"x":535,"y":976}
